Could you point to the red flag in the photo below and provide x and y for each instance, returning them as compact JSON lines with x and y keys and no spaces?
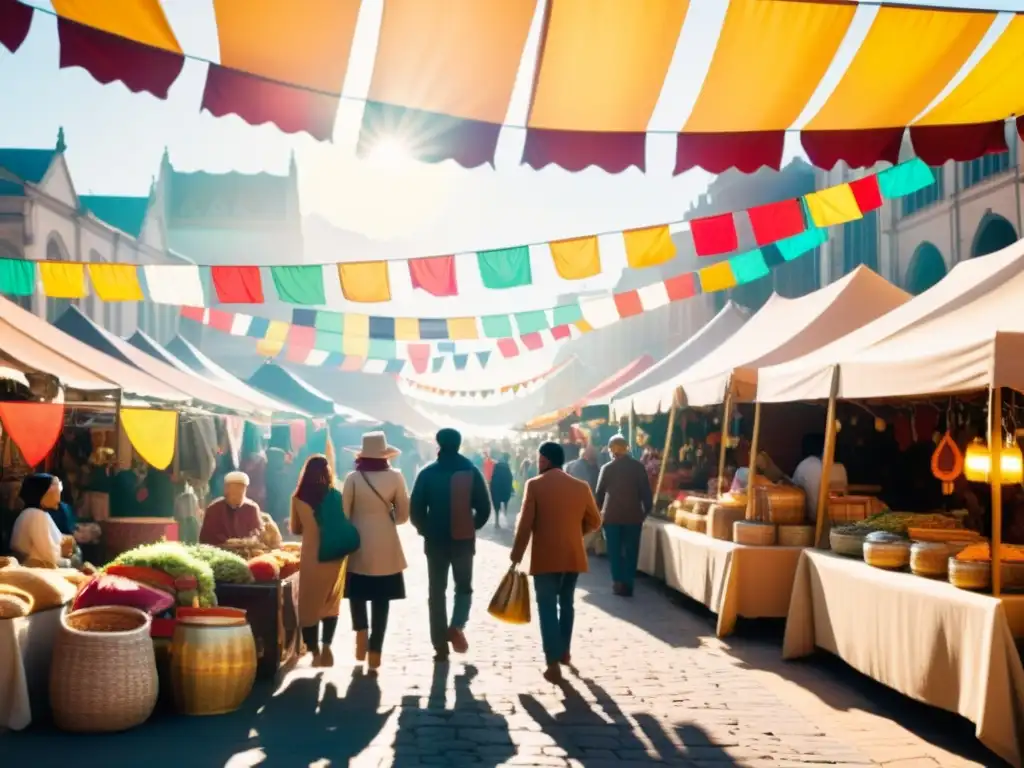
{"x":867,"y":193}
{"x":713,"y":235}
{"x":237,"y":285}
{"x":435,"y":275}
{"x":508,"y":348}
{"x":777,"y":221}
{"x":532,"y":341}
{"x":628,"y":304}
{"x":34,"y":427}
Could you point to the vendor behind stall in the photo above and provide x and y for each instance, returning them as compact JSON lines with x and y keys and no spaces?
{"x":233,"y":516}
{"x":36,"y":539}
{"x":808,"y":473}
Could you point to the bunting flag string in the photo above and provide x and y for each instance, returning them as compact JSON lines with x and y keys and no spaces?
{"x":774,"y":226}
{"x":442,"y":83}
{"x":33,"y":427}
{"x":385,"y":344}
{"x":504,"y":392}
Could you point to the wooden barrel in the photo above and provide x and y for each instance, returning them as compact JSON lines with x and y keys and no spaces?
{"x":213,"y":661}
{"x":123,"y":533}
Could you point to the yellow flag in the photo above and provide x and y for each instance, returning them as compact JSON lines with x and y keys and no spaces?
{"x":407,"y":329}
{"x":583,"y":326}
{"x":717,"y":277}
{"x":62,"y":279}
{"x":462,"y":328}
{"x":356,"y":346}
{"x":116,"y":282}
{"x":273,"y":340}
{"x":153,"y":434}
{"x":648,"y":247}
{"x":365,"y":281}
{"x":576,"y":259}
{"x":835,"y":205}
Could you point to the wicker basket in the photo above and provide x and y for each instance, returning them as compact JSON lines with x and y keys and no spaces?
{"x":796,"y":536}
{"x":753,"y":533}
{"x":846,"y":544}
{"x":780,"y":504}
{"x":966,"y":574}
{"x":103,"y":675}
{"x":929,"y":559}
{"x":213,"y":663}
{"x":849,"y":509}
{"x":890,"y":555}
{"x":693,"y":522}
{"x":720,"y":520}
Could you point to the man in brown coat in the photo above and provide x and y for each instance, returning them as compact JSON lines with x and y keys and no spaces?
{"x":558,"y":511}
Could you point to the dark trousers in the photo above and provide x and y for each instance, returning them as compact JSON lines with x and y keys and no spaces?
{"x":311,"y":635}
{"x":438,"y":564}
{"x":374,"y":618}
{"x":623,"y":551}
{"x":556,"y":612}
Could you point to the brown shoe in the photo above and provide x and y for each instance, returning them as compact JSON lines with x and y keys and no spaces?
{"x":553,"y":674}
{"x":326,"y":658}
{"x":373,"y":661}
{"x":458,"y":640}
{"x":362,"y":639}
{"x":566,"y":660}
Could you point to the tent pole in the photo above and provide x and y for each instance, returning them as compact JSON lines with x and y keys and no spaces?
{"x":752,"y":464}
{"x":664,"y":455}
{"x":821,"y":507}
{"x":995,"y":477}
{"x":723,"y":441}
{"x":632,"y":429}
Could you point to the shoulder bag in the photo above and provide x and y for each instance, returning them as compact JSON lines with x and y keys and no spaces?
{"x":389,"y":505}
{"x":339,"y":538}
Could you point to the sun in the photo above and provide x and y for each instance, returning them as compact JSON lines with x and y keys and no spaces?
{"x":389,"y":152}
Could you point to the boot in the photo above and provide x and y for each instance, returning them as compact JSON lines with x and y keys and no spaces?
{"x":325,"y":659}
{"x":458,"y":640}
{"x":373,"y":660}
{"x":553,"y":674}
{"x":362,"y":639}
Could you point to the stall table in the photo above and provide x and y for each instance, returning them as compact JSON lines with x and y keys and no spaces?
{"x":925,"y":638}
{"x":273,"y":614}
{"x":730,"y":579}
{"x":26,"y":646}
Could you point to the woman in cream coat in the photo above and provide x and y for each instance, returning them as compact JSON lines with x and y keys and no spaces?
{"x":376,"y":501}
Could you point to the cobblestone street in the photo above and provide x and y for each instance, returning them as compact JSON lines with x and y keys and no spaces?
{"x":652,"y":685}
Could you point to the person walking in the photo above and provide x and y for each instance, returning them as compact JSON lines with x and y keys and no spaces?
{"x":625,"y":498}
{"x":449,"y":504}
{"x":501,"y":488}
{"x":377,"y":502}
{"x":322,"y":582}
{"x":558,"y":511}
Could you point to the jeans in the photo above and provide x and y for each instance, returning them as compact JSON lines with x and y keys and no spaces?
{"x":378,"y":624}
{"x":623,"y":551}
{"x":555,"y":593}
{"x":438,"y":564}
{"x":310,"y":634}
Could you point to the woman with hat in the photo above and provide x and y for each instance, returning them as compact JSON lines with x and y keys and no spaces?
{"x":376,"y":501}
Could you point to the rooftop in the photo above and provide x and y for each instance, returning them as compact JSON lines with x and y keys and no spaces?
{"x":124,"y":213}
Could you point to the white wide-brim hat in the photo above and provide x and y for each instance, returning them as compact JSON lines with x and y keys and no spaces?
{"x":375,"y":446}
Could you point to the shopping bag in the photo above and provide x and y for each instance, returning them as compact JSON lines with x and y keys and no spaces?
{"x":511,"y":601}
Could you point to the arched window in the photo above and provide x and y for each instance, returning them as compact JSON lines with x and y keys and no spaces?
{"x":994,"y":233}
{"x":926,"y":268}
{"x":56,"y":251}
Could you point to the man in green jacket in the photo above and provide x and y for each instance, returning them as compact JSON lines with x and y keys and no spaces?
{"x":449,"y":504}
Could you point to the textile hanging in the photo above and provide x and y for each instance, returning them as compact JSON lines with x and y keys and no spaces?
{"x":273,"y":340}
{"x":299,"y":284}
{"x":867,"y":193}
{"x":905,"y":179}
{"x":62,"y":280}
{"x":174,"y":284}
{"x":365,"y":281}
{"x":153,"y":434}
{"x":576,"y":259}
{"x":748,"y":267}
{"x":508,"y":348}
{"x":115,"y":282}
{"x":776,"y":221}
{"x":505,"y":267}
{"x":835,"y":205}
{"x":462,"y":328}
{"x":648,"y":247}
{"x":237,"y":285}
{"x":435,"y":275}
{"x":717,"y":277}
{"x":17,"y":276}
{"x":714,"y":235}
{"x":15,"y":22}
{"x":531,"y":322}
{"x":33,"y":427}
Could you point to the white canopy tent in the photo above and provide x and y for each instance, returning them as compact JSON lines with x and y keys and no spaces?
{"x":940,"y":341}
{"x":648,"y":393}
{"x":785,"y":329}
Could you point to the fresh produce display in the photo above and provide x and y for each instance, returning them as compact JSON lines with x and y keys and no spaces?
{"x":898,"y":523}
{"x":982,"y":553}
{"x":287,"y":562}
{"x":265,"y":568}
{"x":178,"y":561}
{"x":227,"y":566}
{"x":944,"y":535}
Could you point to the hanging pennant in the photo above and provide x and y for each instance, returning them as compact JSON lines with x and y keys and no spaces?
{"x":714,"y":235}
{"x":299,"y":284}
{"x":776,"y":221}
{"x":365,"y":281}
{"x":576,"y":259}
{"x":648,"y":247}
{"x":116,"y":282}
{"x":835,"y":205}
{"x":237,"y":285}
{"x":62,"y":279}
{"x":435,"y":275}
{"x":33,"y":427}
{"x":153,"y":434}
{"x":17,"y":277}
{"x":505,"y":267}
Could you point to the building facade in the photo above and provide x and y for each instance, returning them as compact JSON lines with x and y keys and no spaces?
{"x":972,"y":209}
{"x":42,"y":217}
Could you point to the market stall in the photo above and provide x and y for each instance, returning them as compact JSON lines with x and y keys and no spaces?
{"x":727,"y":529}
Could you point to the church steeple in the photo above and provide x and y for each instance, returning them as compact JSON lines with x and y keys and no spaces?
{"x":62,"y":145}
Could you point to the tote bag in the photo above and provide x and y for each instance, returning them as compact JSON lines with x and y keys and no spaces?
{"x":511,"y":601}
{"x":338,"y":537}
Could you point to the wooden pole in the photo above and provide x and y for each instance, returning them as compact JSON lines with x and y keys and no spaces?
{"x":632,"y":429}
{"x":995,"y":477}
{"x":664,"y":455}
{"x":821,"y":508}
{"x":723,"y":442}
{"x":752,"y":470}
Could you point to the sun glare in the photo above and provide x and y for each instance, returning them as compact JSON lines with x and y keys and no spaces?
{"x":389,"y":152}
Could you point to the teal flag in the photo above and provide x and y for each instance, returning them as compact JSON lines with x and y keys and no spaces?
{"x":505,"y":267}
{"x":327,"y":341}
{"x":531,"y":322}
{"x":299,"y":285}
{"x":496,"y":326}
{"x":798,"y":245}
{"x":748,"y":267}
{"x":383,"y":349}
{"x":330,"y":321}
{"x":905,"y":178}
{"x":567,"y":314}
{"x":17,"y":277}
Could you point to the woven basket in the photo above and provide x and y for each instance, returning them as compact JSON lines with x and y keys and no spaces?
{"x":969,"y":575}
{"x":929,"y":559}
{"x":849,"y":509}
{"x":693,"y":522}
{"x":888,"y":555}
{"x":103,"y":676}
{"x":753,"y":534}
{"x":796,"y":536}
{"x":846,"y":544}
{"x":213,"y":663}
{"x":720,"y":520}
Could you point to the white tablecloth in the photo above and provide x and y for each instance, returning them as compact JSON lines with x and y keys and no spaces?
{"x":926,"y":639}
{"x":26,"y":646}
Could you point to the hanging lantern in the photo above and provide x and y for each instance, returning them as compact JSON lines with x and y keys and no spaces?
{"x":879,"y":425}
{"x":1011,"y":463}
{"x":977,"y":461}
{"x":947,"y":462}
